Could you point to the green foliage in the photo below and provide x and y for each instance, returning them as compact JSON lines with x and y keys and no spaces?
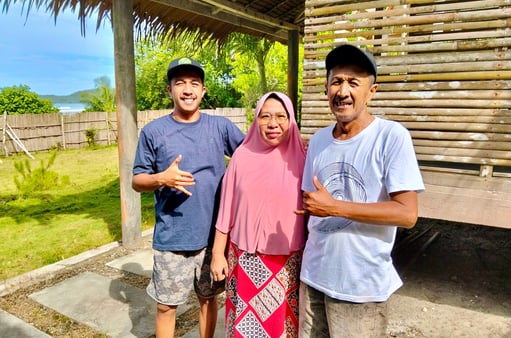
{"x":220,"y":91}
{"x":20,"y":100}
{"x":238,"y":73}
{"x":38,"y":179}
{"x":102,"y":98}
{"x":248,"y":78}
{"x":151,"y":61}
{"x":268,"y":73}
{"x":90,"y":136}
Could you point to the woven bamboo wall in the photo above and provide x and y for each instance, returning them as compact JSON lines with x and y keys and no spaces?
{"x":444,"y":72}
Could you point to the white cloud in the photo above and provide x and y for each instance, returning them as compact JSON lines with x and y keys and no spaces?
{"x":53,"y":58}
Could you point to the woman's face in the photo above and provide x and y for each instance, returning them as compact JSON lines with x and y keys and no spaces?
{"x":273,"y":122}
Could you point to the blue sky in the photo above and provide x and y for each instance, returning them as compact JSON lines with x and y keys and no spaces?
{"x":53,"y":58}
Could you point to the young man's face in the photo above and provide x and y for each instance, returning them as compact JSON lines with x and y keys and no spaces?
{"x":349,"y":89}
{"x":187,"y":90}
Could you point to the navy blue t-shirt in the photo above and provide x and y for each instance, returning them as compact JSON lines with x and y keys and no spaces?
{"x":184,"y":222}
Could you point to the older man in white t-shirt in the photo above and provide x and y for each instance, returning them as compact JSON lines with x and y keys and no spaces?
{"x":360,"y":183}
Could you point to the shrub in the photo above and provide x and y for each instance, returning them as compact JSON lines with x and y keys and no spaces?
{"x":38,"y":179}
{"x":90,"y":135}
{"x":20,"y":100}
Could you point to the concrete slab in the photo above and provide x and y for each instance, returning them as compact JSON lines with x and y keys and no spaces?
{"x":139,"y":262}
{"x":13,"y":327}
{"x":109,"y":306}
{"x":46,"y":272}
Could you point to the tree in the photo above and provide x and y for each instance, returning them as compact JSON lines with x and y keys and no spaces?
{"x":152,"y":58}
{"x":220,"y":89}
{"x":20,"y":100}
{"x":103,"y":97}
{"x":233,"y":79}
{"x":269,"y":72}
{"x":256,"y":49}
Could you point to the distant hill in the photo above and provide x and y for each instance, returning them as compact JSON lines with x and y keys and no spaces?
{"x":71,"y":98}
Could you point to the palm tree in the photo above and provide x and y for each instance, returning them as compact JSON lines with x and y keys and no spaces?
{"x":102,"y":98}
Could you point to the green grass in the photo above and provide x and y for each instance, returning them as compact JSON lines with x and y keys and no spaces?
{"x":52,"y":225}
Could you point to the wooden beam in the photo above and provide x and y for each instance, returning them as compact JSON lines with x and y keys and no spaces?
{"x":275,"y":29}
{"x":469,"y":199}
{"x":292,"y":69}
{"x":122,"y":18}
{"x":233,"y":8}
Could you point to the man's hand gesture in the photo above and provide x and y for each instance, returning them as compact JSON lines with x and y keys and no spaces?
{"x":177,"y":179}
{"x":317,"y":203}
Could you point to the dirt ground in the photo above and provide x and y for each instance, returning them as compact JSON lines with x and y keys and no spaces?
{"x":461,"y":265}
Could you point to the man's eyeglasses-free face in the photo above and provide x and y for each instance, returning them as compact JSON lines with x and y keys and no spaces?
{"x":265,"y":118}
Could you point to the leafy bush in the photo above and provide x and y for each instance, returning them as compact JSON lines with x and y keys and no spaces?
{"x":20,"y":100}
{"x":90,"y":135}
{"x":38,"y":179}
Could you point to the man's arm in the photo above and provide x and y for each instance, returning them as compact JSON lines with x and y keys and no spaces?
{"x":171,"y":177}
{"x":401,"y":210}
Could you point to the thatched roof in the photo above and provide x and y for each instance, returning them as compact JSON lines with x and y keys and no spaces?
{"x":212,"y":18}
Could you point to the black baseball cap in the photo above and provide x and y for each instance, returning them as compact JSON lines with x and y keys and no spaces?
{"x":184,"y":63}
{"x":351,"y":55}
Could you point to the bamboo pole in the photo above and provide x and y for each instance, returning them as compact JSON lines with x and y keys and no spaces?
{"x":451,"y":126}
{"x":63,"y":131}
{"x":474,"y":145}
{"x":381,"y":97}
{"x":379,"y":47}
{"x":107,"y":123}
{"x":444,"y":111}
{"x":414,"y":17}
{"x":428,"y":58}
{"x":497,"y":85}
{"x":4,"y":131}
{"x":461,"y":136}
{"x":463,"y":159}
{"x":461,"y":119}
{"x":441,"y":31}
{"x":391,"y":9}
{"x":446,"y":76}
{"x":441,"y":103}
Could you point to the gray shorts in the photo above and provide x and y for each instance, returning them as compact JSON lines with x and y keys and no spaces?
{"x":322,"y":316}
{"x":176,"y":272}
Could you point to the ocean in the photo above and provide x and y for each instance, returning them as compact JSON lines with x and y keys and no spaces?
{"x":70,"y":108}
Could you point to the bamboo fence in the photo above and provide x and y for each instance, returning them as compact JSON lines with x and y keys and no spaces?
{"x":444,"y":72}
{"x":41,"y":132}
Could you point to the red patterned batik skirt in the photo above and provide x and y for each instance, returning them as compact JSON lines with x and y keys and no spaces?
{"x":262,"y":294}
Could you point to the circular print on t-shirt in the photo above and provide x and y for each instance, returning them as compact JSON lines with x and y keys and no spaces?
{"x":344,"y":183}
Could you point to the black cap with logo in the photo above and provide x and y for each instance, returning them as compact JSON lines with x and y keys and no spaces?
{"x":184,"y":63}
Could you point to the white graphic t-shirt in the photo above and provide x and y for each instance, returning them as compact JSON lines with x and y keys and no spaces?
{"x":349,"y":260}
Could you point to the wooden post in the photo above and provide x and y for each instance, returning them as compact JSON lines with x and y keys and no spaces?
{"x":122,"y":18}
{"x":292,"y":70}
{"x":107,"y":122}
{"x":63,"y":128}
{"x":4,"y":132}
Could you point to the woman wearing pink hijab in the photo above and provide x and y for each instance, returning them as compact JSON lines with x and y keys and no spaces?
{"x":257,"y":227}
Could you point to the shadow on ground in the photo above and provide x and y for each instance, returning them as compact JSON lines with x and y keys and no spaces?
{"x":458,"y":264}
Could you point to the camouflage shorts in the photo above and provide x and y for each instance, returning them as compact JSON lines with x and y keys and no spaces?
{"x":175,"y":272}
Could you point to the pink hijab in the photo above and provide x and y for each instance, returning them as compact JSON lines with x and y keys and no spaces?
{"x":261,"y":190}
